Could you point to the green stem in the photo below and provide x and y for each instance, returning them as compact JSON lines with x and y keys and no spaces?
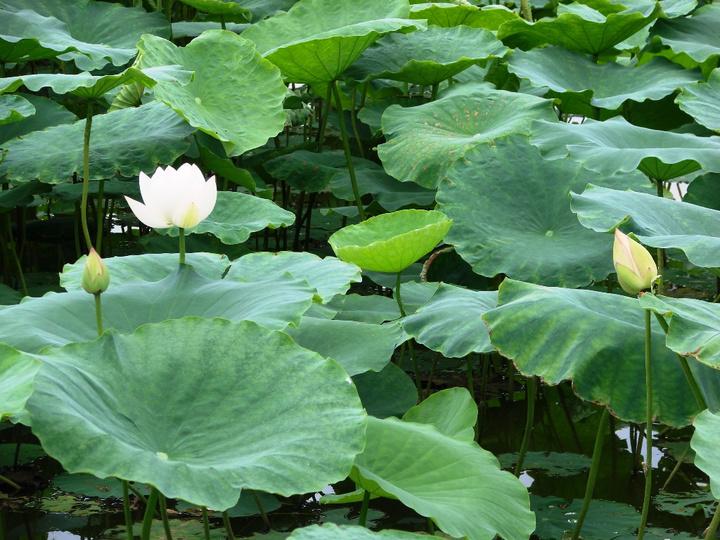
{"x":14,"y":253}
{"x":149,"y":513}
{"x":592,"y":476}
{"x":398,"y":298}
{"x":181,"y":241}
{"x":362,"y":519}
{"x":86,"y":176}
{"x":164,"y":516}
{"x":98,"y":313}
{"x":346,"y":149}
{"x":712,"y":529}
{"x":353,"y":123}
{"x":100,"y":216}
{"x":206,"y":523}
{"x":525,"y":10}
{"x":126,"y":511}
{"x":434,"y":91}
{"x":529,"y":422}
{"x":648,"y":425}
{"x":263,"y":514}
{"x":228,"y":527}
{"x":6,"y":480}
{"x":676,"y":468}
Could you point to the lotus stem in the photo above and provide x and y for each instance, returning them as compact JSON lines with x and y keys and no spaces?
{"x":98,"y":313}
{"x":525,"y":10}
{"x":86,"y":176}
{"x":346,"y":148}
{"x":362,"y":519}
{"x":16,"y":258}
{"x":263,"y":514}
{"x":149,"y":513}
{"x":181,"y":242}
{"x":324,"y":112}
{"x":712,"y":529}
{"x":4,"y":479}
{"x":529,"y":422}
{"x":353,"y":123}
{"x":592,"y":476}
{"x":126,"y":511}
{"x":434,"y":91}
{"x":228,"y":526}
{"x":100,"y":216}
{"x":648,"y":425}
{"x":398,"y":297}
{"x":206,"y":522}
{"x":164,"y":517}
{"x":676,"y":468}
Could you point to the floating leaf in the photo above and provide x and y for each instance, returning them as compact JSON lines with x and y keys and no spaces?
{"x":452,"y":411}
{"x":415,"y":57}
{"x":330,"y":531}
{"x":529,"y":231}
{"x":455,"y":483}
{"x":616,"y":145}
{"x":235,"y":95}
{"x":450,"y":322}
{"x":705,"y":444}
{"x":316,"y":40}
{"x":556,"y":517}
{"x":539,"y":328}
{"x":656,"y":221}
{"x":88,"y":485}
{"x":391,"y":242}
{"x":550,"y":463}
{"x":257,"y":420}
{"x":146,"y":268}
{"x":14,"y":108}
{"x":91,"y":34}
{"x":701,"y":100}
{"x":424,"y":141}
{"x":237,"y":215}
{"x":685,"y":504}
{"x":329,"y":276}
{"x":124,"y":142}
{"x":609,"y":84}
{"x":247,"y":505}
{"x":61,"y":318}
{"x":389,"y":392}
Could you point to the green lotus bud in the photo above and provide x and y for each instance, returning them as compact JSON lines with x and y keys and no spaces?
{"x":96,"y":277}
{"x":636,"y":269}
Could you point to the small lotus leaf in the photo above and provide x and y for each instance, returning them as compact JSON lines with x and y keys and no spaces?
{"x":701,"y":100}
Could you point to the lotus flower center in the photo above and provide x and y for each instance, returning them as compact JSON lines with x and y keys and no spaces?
{"x":162,"y":455}
{"x":550,"y":233}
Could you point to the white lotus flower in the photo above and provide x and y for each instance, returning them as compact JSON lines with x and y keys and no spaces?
{"x":174,"y":198}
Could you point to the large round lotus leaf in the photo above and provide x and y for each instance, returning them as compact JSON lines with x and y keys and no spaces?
{"x":578,"y":28}
{"x":447,"y":14}
{"x":702,"y":101}
{"x":424,"y":141}
{"x":703,"y":191}
{"x":21,"y":195}
{"x":329,"y":276}
{"x":610,"y":84}
{"x":529,"y":231}
{"x":308,"y":171}
{"x":235,"y":95}
{"x":539,"y":328}
{"x":14,"y":108}
{"x":416,"y":58}
{"x":48,"y":113}
{"x":706,"y":444}
{"x":243,"y":411}
{"x":112,"y":188}
{"x":357,"y":346}
{"x":316,"y":40}
{"x":92,"y":34}
{"x":692,"y":38}
{"x":455,"y":483}
{"x":616,"y":145}
{"x":17,"y":372}
{"x":237,"y":215}
{"x":389,"y":392}
{"x":61,"y":318}
{"x":452,"y":411}
{"x":88,"y":86}
{"x":225,"y":8}
{"x":147,"y":267}
{"x":123,"y":142}
{"x":657,"y":222}
{"x":371,"y":308}
{"x":330,"y":531}
{"x":391,"y":242}
{"x":450,"y":323}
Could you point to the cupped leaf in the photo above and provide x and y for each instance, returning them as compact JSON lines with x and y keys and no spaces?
{"x":124,"y":142}
{"x":257,"y":420}
{"x":416,"y":58}
{"x":17,"y":373}
{"x":656,"y":221}
{"x":452,"y":411}
{"x":424,"y":141}
{"x":14,"y":108}
{"x":579,"y":28}
{"x":565,"y":334}
{"x":149,"y":267}
{"x":450,"y":323}
{"x":694,"y":38}
{"x":316,"y":40}
{"x":357,"y":346}
{"x":391,"y":242}
{"x":91,"y":34}
{"x":529,"y":231}
{"x":609,"y":84}
{"x":237,"y":215}
{"x":447,"y":14}
{"x":616,"y":145}
{"x":61,"y":318}
{"x":330,"y":531}
{"x":701,"y":100}
{"x":455,"y":483}
{"x":706,"y":445}
{"x":389,"y":392}
{"x":48,"y":113}
{"x":235,"y":95}
{"x":329,"y":276}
